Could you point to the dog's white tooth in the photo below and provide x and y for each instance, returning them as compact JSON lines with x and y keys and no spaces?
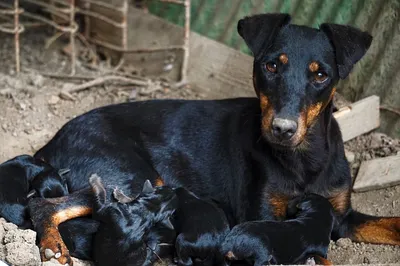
{"x":48,"y":253}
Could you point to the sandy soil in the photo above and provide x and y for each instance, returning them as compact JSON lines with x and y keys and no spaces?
{"x":32,"y":111}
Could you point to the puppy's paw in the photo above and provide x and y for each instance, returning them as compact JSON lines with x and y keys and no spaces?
{"x":52,"y":246}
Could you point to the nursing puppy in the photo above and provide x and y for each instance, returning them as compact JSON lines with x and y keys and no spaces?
{"x":23,"y":177}
{"x":129,"y":230}
{"x":292,"y":241}
{"x":201,"y":228}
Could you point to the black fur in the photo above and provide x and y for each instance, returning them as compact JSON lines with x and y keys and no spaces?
{"x":201,"y":228}
{"x":123,"y":236}
{"x":22,"y":177}
{"x":289,"y":242}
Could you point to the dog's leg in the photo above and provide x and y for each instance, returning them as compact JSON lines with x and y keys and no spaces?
{"x":47,"y":214}
{"x":369,"y":229}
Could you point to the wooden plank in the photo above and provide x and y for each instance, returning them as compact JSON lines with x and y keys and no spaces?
{"x":378,"y":173}
{"x":358,"y":118}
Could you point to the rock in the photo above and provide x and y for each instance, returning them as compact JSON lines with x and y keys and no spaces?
{"x":2,"y":233}
{"x":21,"y":236}
{"x":343,"y":242}
{"x":23,"y":254}
{"x":37,"y":80}
{"x":350,"y":156}
{"x":9,"y":226}
{"x":2,"y":252}
{"x":54,"y":262}
{"x":21,"y":106}
{"x":53,"y":100}
{"x":376,"y":140}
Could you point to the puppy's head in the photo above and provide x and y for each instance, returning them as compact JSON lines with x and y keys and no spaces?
{"x":133,"y":216}
{"x":296,"y":69}
{"x":309,"y":203}
{"x":49,"y":184}
{"x":16,"y":176}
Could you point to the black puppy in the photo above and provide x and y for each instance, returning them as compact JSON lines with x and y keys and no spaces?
{"x":201,"y":228}
{"x":23,"y":177}
{"x":123,"y":237}
{"x":292,"y":241}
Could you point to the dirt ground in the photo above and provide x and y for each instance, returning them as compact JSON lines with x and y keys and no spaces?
{"x":32,"y":111}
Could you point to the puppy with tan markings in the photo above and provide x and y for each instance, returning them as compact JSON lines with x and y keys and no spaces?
{"x":293,"y":241}
{"x":125,"y":236}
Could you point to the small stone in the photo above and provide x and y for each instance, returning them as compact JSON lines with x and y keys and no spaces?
{"x":350,"y":156}
{"x":343,"y":242}
{"x":15,"y":134}
{"x":21,"y":106}
{"x":54,"y":100}
{"x":37,"y":80}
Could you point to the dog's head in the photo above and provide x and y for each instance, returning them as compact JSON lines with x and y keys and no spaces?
{"x":50,"y":183}
{"x":133,"y":216}
{"x":296,"y":69}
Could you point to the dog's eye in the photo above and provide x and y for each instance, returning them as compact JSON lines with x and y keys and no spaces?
{"x":320,"y":76}
{"x":271,"y":67}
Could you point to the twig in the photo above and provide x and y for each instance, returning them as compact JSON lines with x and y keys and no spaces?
{"x":101,"y":80}
{"x":186,"y":43}
{"x":390,"y":109}
{"x":72,"y":37}
{"x":52,"y":39}
{"x":16,"y":36}
{"x":173,"y":2}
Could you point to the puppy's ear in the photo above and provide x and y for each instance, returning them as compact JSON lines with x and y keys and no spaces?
{"x":147,"y":187}
{"x":63,"y":171}
{"x":350,"y":45}
{"x":99,"y":191}
{"x":259,"y":31}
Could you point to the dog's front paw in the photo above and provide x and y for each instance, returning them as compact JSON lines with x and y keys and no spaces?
{"x":52,"y":246}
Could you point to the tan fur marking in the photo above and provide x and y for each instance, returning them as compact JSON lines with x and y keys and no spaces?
{"x":381,"y":231}
{"x":340,"y":201}
{"x":159,"y":182}
{"x":69,"y":214}
{"x":284,"y":59}
{"x":313,"y":66}
{"x":279,"y":204}
{"x":267,"y":113}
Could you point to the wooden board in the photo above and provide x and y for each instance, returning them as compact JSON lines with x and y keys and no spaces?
{"x":218,"y":71}
{"x":378,"y":173}
{"x":359,"y":118}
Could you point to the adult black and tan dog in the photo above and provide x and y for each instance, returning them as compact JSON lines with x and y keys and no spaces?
{"x":250,"y":154}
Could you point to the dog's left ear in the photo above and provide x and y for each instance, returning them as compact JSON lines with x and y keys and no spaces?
{"x":350,"y":45}
{"x":258,"y":31}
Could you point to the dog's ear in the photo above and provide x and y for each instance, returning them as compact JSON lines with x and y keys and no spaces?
{"x":350,"y":45}
{"x":258,"y":31}
{"x":99,"y":191}
{"x":147,"y":187}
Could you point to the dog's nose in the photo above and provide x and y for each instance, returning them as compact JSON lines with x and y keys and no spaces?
{"x":283,"y":128}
